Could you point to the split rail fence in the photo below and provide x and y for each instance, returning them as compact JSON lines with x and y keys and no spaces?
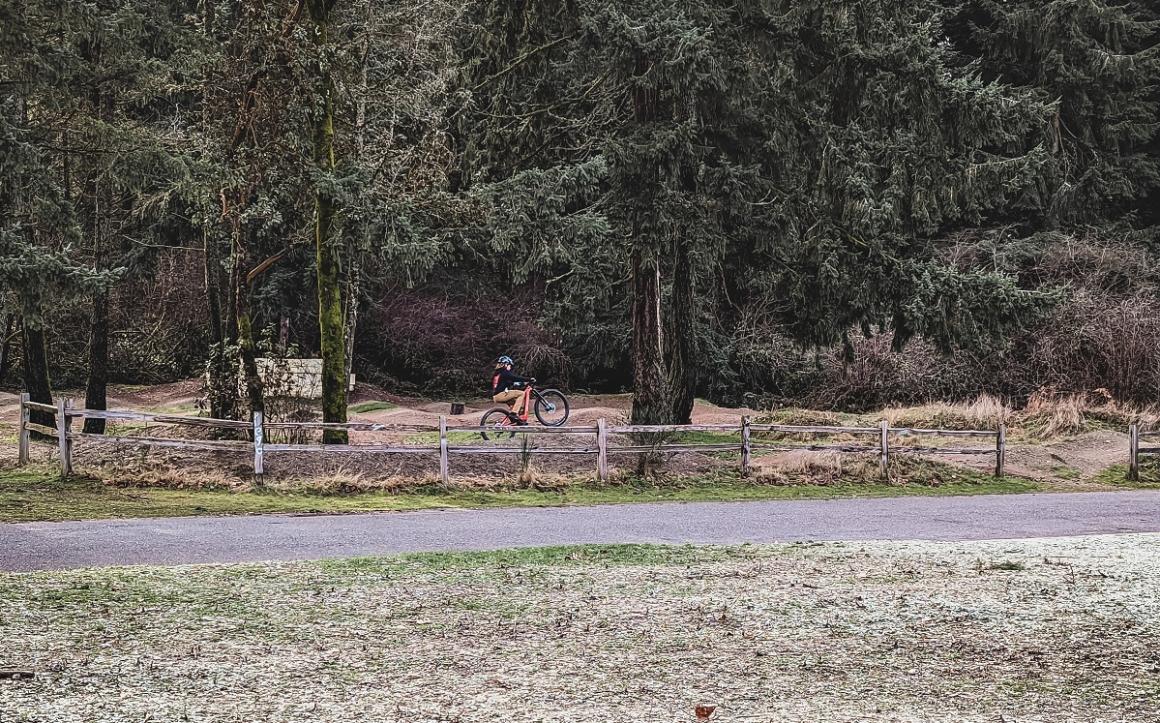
{"x":600,"y":440}
{"x":1135,"y":435}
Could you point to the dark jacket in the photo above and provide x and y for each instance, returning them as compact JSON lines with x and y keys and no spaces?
{"x":504,"y":379}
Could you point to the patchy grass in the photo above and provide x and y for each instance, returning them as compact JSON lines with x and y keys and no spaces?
{"x":34,"y":494}
{"x":378,"y":405}
{"x":1061,"y":630}
{"x":431,"y":439}
{"x":705,"y":437}
{"x":1117,"y":475}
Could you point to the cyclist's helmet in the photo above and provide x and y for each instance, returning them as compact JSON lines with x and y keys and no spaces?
{"x":505,"y":360}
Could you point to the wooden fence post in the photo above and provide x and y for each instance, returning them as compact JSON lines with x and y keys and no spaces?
{"x":23,"y":430}
{"x":259,"y":447}
{"x":444,"y":461}
{"x":1000,"y":449}
{"x":884,"y":452}
{"x":62,"y":436}
{"x":1134,"y":451}
{"x":601,"y":450}
{"x":745,"y":446}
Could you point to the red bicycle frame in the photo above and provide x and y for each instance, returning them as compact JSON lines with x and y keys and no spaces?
{"x":523,"y":415}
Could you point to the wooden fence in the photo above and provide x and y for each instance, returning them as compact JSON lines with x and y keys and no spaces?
{"x":594,"y":439}
{"x":1135,"y":435}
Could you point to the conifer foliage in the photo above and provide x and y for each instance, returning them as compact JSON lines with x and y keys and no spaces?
{"x":674,"y":193}
{"x":811,"y":154}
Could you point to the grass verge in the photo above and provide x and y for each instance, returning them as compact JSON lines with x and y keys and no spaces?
{"x":1117,"y":476}
{"x":372,"y":406}
{"x":37,"y":494}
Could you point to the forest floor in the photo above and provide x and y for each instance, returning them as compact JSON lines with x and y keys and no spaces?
{"x":122,"y":479}
{"x":1014,"y":630}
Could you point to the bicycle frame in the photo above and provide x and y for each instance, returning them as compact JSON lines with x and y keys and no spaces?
{"x":529,"y":391}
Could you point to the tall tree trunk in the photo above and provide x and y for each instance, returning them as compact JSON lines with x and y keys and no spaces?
{"x":649,"y":403}
{"x":352,"y":297}
{"x":221,"y":369}
{"x":96,"y":391}
{"x":328,"y":249}
{"x":36,"y":372}
{"x":682,"y":337}
{"x":6,"y":347}
{"x":354,"y":249}
{"x":247,"y":349}
{"x":213,"y":285}
{"x":221,"y":366}
{"x":96,"y":387}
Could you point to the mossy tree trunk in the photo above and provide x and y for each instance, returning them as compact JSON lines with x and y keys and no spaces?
{"x":328,"y":248}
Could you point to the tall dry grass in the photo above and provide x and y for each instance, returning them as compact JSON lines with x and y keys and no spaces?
{"x":984,"y":412}
{"x":1051,"y":414}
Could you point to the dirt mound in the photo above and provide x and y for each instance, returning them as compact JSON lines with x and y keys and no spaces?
{"x":589,"y":415}
{"x":183,"y":393}
{"x":1069,"y":463}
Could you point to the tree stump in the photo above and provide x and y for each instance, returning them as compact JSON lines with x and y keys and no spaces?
{"x":457,"y":408}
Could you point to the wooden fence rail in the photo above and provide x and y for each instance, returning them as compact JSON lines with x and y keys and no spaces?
{"x":606,"y":439}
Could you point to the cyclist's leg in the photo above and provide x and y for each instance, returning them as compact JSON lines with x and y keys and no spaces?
{"x":518,"y":402}
{"x":511,"y":398}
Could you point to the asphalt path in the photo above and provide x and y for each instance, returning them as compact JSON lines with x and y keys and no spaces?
{"x":185,"y":540}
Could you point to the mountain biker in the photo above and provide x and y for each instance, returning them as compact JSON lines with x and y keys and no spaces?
{"x":504,"y":382}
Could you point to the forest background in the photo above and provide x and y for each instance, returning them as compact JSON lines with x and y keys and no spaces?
{"x":830,"y":204}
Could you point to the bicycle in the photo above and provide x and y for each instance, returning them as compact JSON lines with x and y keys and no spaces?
{"x":550,"y":407}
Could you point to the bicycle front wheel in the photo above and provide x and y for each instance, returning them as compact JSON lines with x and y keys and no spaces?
{"x":552,"y":408}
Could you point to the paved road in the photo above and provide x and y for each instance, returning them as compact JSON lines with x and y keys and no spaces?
{"x":156,"y":541}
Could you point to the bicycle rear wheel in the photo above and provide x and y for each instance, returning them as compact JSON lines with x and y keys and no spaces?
{"x":552,"y":408}
{"x":496,"y":424}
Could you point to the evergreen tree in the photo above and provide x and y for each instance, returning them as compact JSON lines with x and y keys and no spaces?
{"x":39,"y":226}
{"x":810,"y":154}
{"x":1101,"y":60}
